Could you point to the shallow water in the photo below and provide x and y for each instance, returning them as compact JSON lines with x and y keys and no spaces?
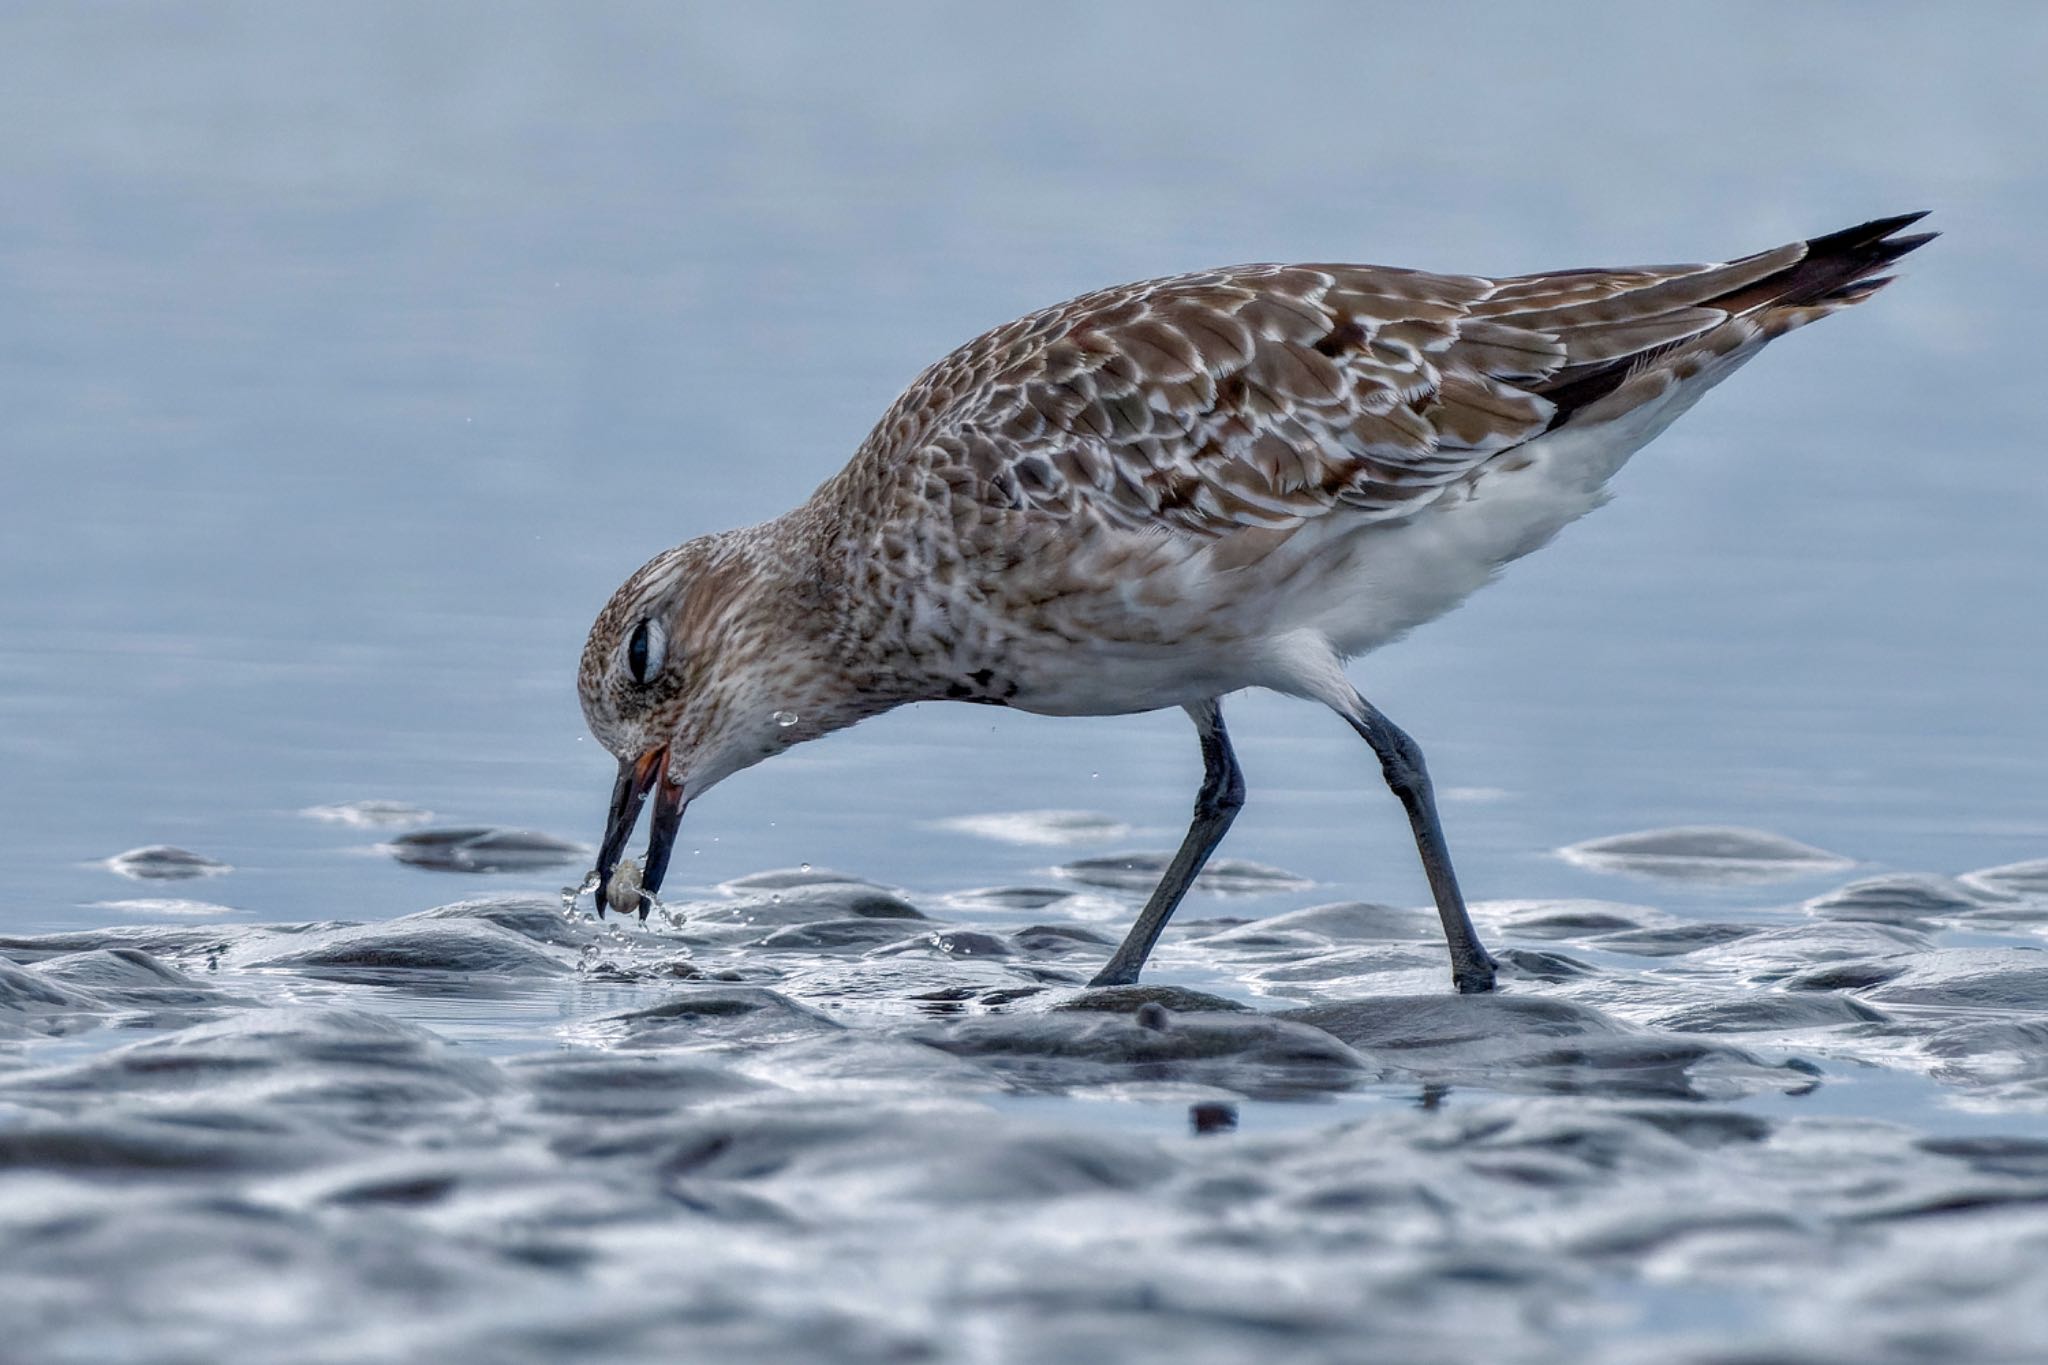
{"x":353,"y":359}
{"x":825,"y":1120}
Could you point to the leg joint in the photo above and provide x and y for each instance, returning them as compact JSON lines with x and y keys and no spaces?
{"x":1222,"y":793}
{"x":1400,"y":757}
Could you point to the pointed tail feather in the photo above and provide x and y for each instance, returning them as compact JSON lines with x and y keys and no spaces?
{"x":1829,"y":273}
{"x":1841,"y":267}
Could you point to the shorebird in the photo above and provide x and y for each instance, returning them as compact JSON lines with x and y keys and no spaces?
{"x":1162,"y":493}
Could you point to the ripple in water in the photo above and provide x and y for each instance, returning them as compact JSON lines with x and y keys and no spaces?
{"x":483,"y":849}
{"x":165,"y":905}
{"x":1705,"y":853}
{"x":1142,"y":871}
{"x":1044,"y":828}
{"x":369,"y":814}
{"x":163,"y":862}
{"x":1293,"y":1128}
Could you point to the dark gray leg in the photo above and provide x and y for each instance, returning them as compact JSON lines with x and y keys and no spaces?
{"x":1401,"y":761}
{"x":1216,"y":806}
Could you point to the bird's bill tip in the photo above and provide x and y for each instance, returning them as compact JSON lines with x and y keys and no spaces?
{"x":637,"y":776}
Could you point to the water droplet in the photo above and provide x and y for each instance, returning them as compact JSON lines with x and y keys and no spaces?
{"x":803,"y":867}
{"x":785,"y":718}
{"x":1094,"y":776}
{"x":571,"y":893}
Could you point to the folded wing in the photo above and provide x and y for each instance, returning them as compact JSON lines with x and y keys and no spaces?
{"x":1267,"y":395}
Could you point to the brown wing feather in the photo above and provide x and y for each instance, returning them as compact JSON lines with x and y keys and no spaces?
{"x":1266,"y":395}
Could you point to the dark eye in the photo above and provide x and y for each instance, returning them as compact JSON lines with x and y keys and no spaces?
{"x":645,"y":650}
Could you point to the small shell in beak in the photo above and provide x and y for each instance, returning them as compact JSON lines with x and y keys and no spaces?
{"x":624,"y":895}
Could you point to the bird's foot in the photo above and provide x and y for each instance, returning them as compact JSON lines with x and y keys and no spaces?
{"x":1474,"y":976}
{"x":1115,"y":974}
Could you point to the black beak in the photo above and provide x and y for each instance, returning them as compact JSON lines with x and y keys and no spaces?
{"x":636,"y":778}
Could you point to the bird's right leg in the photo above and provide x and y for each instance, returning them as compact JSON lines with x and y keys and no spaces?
{"x":1472,"y":967}
{"x":1217,"y":804}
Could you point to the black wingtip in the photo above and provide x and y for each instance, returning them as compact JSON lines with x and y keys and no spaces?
{"x":1834,"y":268}
{"x":1863,"y":234}
{"x":1894,"y":247}
{"x":1858,"y":291}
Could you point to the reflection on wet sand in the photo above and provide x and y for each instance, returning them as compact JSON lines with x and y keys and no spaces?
{"x":550,"y":1118}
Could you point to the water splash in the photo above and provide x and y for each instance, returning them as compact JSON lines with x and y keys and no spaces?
{"x":572,"y":894}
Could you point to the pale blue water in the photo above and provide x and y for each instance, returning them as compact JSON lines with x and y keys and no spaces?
{"x":350,"y":357}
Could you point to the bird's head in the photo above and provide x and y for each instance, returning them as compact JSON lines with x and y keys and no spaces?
{"x":699,"y":666}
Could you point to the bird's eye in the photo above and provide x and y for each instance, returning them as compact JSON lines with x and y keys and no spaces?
{"x":644,"y":652}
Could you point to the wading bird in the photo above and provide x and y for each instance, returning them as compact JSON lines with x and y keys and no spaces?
{"x":1158,"y":494}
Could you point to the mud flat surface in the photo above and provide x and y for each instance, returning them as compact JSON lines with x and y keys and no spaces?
{"x":809,"y":1117}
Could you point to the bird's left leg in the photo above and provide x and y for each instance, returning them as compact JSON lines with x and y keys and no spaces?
{"x":1216,"y":806}
{"x":1472,"y":967}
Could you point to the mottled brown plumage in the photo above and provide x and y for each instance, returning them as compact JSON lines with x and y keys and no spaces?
{"x":1161,"y":492}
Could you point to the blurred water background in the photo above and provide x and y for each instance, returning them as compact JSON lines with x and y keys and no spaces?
{"x":351,"y":355}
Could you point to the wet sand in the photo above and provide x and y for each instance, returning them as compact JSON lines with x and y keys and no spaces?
{"x":812,"y":1117}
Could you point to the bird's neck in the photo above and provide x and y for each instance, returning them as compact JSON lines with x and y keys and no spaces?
{"x":817,"y":634}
